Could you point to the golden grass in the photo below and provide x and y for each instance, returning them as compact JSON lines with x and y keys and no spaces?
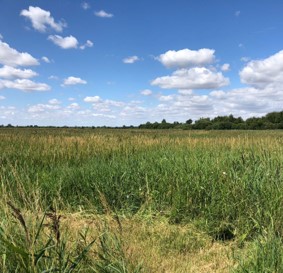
{"x":152,"y":243}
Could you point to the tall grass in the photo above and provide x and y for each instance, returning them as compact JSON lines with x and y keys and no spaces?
{"x":228,"y":184}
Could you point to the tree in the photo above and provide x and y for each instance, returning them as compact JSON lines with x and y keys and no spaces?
{"x":202,"y":123}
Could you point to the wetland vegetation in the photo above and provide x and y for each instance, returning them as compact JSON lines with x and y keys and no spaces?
{"x":94,"y":200}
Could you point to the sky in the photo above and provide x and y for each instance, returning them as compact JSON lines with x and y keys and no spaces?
{"x":125,"y":62}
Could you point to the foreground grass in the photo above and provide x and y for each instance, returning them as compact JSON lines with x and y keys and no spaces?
{"x":188,"y":201}
{"x":96,"y":243}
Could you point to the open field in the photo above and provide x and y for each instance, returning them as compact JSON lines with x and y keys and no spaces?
{"x":140,"y":201}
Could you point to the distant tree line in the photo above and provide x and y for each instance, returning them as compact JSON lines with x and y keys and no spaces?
{"x":273,"y":120}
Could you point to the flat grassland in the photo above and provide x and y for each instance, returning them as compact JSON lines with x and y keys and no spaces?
{"x":94,"y":200}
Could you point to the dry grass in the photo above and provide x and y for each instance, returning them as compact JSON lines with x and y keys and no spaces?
{"x":153,"y":243}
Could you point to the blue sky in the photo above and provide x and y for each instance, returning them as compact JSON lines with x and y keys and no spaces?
{"x":116,"y":62}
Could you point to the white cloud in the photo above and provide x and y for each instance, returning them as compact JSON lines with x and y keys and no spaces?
{"x":114,"y":103}
{"x":104,"y":116}
{"x":74,"y":106}
{"x":64,"y":42}
{"x":219,"y":94}
{"x":41,"y":19}
{"x":185,"y":92}
{"x":225,"y":67}
{"x":25,"y":85}
{"x":87,"y":44}
{"x":52,"y":77}
{"x":7,"y":112}
{"x":103,"y":106}
{"x":136,"y":111}
{"x":261,"y":73}
{"x":10,"y":56}
{"x":1,"y":36}
{"x":166,"y":98}
{"x":71,"y":99}
{"x":187,"y":57}
{"x":54,"y":102}
{"x":93,"y":99}
{"x":146,"y":92}
{"x":245,"y":102}
{"x":73,"y":81}
{"x":131,"y":59}
{"x":42,"y":108}
{"x":85,"y":5}
{"x":2,"y":98}
{"x":45,"y":59}
{"x":193,"y":78}
{"x":103,"y":14}
{"x":9,"y":72}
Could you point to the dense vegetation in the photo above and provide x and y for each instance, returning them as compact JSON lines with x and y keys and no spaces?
{"x":272,"y":120}
{"x":182,"y":191}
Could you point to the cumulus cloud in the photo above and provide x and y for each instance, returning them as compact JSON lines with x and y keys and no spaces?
{"x":54,"y":102}
{"x":74,"y":106}
{"x":73,"y":81}
{"x":225,"y":67}
{"x":166,"y":98}
{"x":102,"y":105}
{"x":187,"y":58}
{"x":64,"y":42}
{"x":219,"y":94}
{"x":45,"y":59}
{"x":41,"y":19}
{"x":103,"y":14}
{"x":2,"y":98}
{"x":185,"y":92}
{"x":133,"y":110}
{"x":93,"y":99}
{"x":87,"y":44}
{"x":146,"y":92}
{"x":9,"y":72}
{"x":25,"y":85}
{"x":131,"y":59}
{"x":261,"y":73}
{"x":42,"y":108}
{"x":193,"y":78}
{"x":10,"y":56}
{"x":245,"y":102}
{"x":7,"y":112}
{"x":104,"y":116}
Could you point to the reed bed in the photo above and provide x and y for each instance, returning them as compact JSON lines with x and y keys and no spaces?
{"x":222,"y":187}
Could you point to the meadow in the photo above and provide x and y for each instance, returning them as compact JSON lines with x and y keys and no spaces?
{"x":102,"y":200}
